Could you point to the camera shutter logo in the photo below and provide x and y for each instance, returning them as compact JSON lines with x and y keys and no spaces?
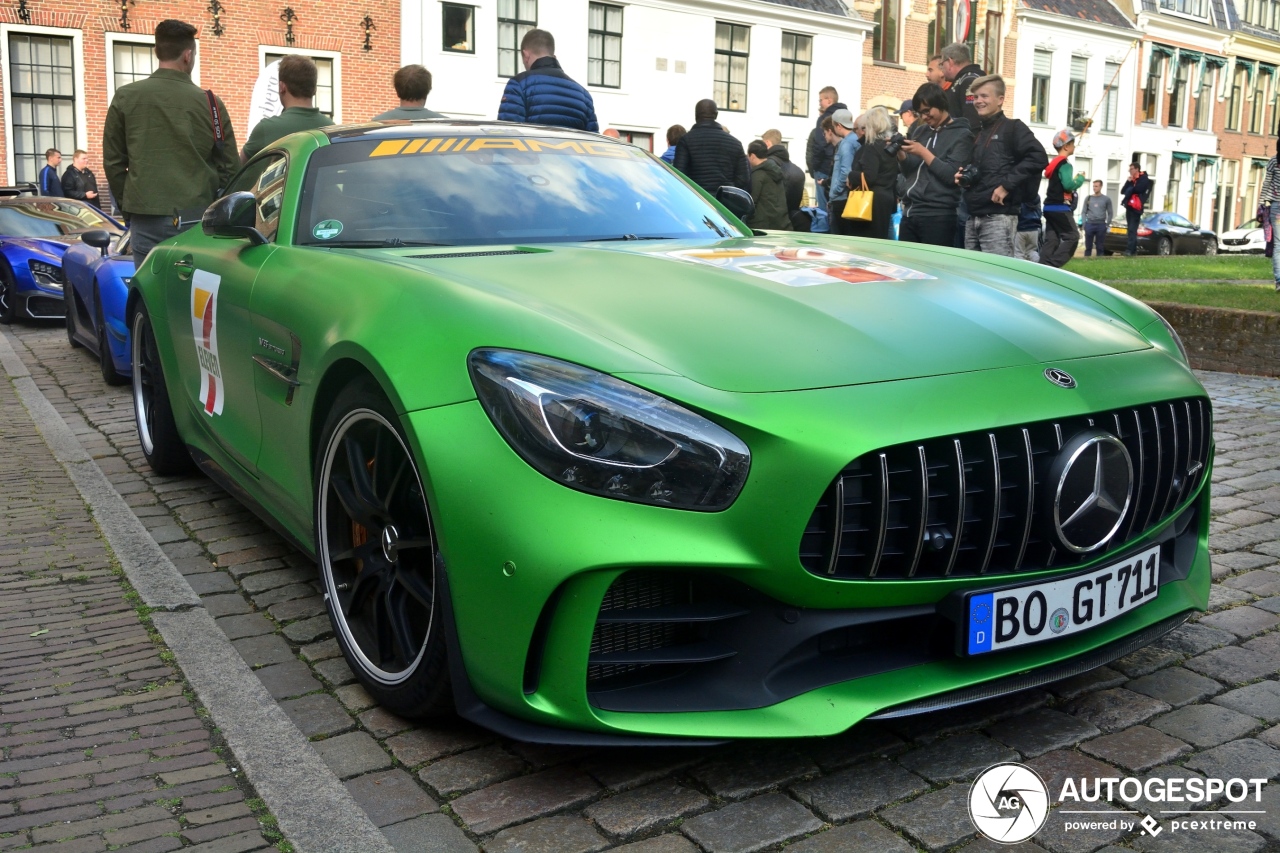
{"x":1008,"y":803}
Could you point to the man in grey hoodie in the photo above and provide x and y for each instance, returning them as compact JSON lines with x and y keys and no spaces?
{"x":939,"y":145}
{"x":1098,"y":213}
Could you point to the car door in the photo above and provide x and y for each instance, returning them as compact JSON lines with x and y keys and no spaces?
{"x":1186,"y":236}
{"x":211,"y":284}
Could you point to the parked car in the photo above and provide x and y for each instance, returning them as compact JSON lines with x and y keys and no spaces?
{"x":1246,"y":239}
{"x":583,"y":457}
{"x":98,"y":270}
{"x":35,"y":232}
{"x":1162,"y":233}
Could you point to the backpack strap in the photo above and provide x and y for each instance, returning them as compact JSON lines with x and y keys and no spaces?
{"x":218,"y":136}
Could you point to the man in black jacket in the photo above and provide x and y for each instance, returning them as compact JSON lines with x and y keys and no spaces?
{"x":78,"y":181}
{"x":1133,"y":198}
{"x":792,"y":175}
{"x":938,"y":146}
{"x":710,"y":156}
{"x":819,"y":155}
{"x":1006,"y":155}
{"x":959,"y":68}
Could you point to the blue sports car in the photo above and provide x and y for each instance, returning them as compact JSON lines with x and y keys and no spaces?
{"x":98,"y":270}
{"x":35,"y":232}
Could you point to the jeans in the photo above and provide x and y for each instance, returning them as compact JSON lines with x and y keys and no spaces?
{"x":992,"y":234}
{"x":1061,"y":236}
{"x":148,"y":230}
{"x":1095,"y":233}
{"x":933,"y":230}
{"x":1026,"y":246}
{"x":820,"y":190}
{"x":1132,"y":218}
{"x":1275,"y":256}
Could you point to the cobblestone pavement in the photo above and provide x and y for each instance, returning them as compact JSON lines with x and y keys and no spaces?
{"x":101,"y":744}
{"x":1204,"y":701}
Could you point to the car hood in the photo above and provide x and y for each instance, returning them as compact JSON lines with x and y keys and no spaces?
{"x":49,"y":245}
{"x":770,"y":314}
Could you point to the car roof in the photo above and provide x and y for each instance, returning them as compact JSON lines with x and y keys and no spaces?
{"x":456,"y":127}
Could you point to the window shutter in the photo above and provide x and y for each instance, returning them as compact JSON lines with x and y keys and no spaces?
{"x":1043,"y":63}
{"x":1079,"y":65}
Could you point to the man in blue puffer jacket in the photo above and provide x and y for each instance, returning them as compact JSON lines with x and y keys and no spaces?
{"x":543,"y":93}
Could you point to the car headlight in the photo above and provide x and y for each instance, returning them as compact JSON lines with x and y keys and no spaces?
{"x":1177,"y":339}
{"x":46,"y":275}
{"x":600,"y":435}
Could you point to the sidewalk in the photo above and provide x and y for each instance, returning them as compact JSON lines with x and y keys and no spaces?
{"x":101,"y":744}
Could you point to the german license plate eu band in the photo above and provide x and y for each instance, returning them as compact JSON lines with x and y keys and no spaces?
{"x":1044,"y":611}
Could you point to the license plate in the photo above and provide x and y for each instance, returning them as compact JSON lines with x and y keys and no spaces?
{"x":1119,"y":231}
{"x":1045,"y":611}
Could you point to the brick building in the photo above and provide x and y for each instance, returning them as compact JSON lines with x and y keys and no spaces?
{"x":61,"y":61}
{"x":908,"y":32}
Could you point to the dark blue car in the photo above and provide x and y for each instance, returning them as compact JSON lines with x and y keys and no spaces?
{"x":35,"y":232}
{"x":98,"y":270}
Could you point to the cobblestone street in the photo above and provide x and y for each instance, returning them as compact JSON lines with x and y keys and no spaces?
{"x":1205,"y":701}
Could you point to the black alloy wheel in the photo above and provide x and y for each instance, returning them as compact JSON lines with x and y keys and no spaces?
{"x":8,"y":295}
{"x":378,"y":557}
{"x":70,"y":300}
{"x":1164,"y":246}
{"x":1211,"y":247}
{"x":152,"y":414}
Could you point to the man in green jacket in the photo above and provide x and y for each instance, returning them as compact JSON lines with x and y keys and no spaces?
{"x":297,"y":96}
{"x":167,"y":146}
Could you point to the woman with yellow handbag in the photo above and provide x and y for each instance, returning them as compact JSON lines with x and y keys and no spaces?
{"x":846,"y":142}
{"x":872,"y":180}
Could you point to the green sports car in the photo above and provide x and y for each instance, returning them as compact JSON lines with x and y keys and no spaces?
{"x":588,"y":460}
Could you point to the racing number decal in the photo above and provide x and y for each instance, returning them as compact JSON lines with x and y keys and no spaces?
{"x":204,"y":328}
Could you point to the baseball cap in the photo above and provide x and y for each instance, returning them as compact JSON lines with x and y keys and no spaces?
{"x":1063,"y":138}
{"x":907,"y":107}
{"x":844,"y":118}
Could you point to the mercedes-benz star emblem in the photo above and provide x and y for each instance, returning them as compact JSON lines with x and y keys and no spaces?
{"x":390,"y":543}
{"x":1060,"y":377}
{"x":1094,"y":486}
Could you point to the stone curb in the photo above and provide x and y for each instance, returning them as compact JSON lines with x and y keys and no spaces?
{"x":314,"y":810}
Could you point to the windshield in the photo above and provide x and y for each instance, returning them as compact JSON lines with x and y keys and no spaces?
{"x":49,"y":217}
{"x":491,"y":189}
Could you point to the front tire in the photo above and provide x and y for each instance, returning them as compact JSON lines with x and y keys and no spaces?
{"x":378,"y":557}
{"x":1164,"y":246}
{"x":152,"y":414}
{"x":8,"y":295}
{"x":1210,"y":247}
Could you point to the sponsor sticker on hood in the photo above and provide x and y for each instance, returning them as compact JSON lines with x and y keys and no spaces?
{"x":801,"y":267}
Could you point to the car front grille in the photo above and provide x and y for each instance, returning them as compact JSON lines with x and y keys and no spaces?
{"x":975,"y":504}
{"x":1235,"y":242}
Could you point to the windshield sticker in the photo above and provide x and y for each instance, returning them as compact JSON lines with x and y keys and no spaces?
{"x":801,"y":267}
{"x":204,"y":327}
{"x":467,"y":145}
{"x":327,"y":230}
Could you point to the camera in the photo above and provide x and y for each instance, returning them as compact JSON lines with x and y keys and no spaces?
{"x":894,"y":145}
{"x":968,"y":176}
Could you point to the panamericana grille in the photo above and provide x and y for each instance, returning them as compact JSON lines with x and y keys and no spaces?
{"x":975,"y":504}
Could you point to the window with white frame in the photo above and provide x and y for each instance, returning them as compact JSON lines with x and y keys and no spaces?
{"x":1115,"y":182}
{"x":1151,"y":87}
{"x":1077,"y":112}
{"x":1179,"y":96}
{"x":1041,"y":70}
{"x":1258,"y":104}
{"x":325,"y":79}
{"x":797,"y":57}
{"x":1198,"y":8}
{"x":1235,"y":99}
{"x":43,"y":99}
{"x":884,"y":38}
{"x":130,"y":62}
{"x":604,"y":45}
{"x":457,"y":28}
{"x":515,"y":18}
{"x":1110,"y":96}
{"x":733,"y":49}
{"x":1173,"y":193}
{"x":1204,"y":97}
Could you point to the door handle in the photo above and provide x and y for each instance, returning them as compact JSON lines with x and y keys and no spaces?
{"x":185,"y":267}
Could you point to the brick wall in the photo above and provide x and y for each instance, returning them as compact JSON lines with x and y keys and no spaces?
{"x":1221,"y":339}
{"x":229,"y":64}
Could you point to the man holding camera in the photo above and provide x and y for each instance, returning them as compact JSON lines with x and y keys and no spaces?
{"x":1005,"y":155}
{"x":938,"y":145}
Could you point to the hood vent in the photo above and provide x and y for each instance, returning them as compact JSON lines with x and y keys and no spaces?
{"x":474,"y":254}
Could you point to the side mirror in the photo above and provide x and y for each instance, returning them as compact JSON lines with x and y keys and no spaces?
{"x":234,"y":215}
{"x":737,"y":201}
{"x":99,"y":239}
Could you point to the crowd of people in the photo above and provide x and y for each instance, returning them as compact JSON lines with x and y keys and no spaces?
{"x":948,"y":168}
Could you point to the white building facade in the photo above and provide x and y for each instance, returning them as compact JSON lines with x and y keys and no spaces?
{"x":647,"y":62}
{"x":1075,"y":71}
